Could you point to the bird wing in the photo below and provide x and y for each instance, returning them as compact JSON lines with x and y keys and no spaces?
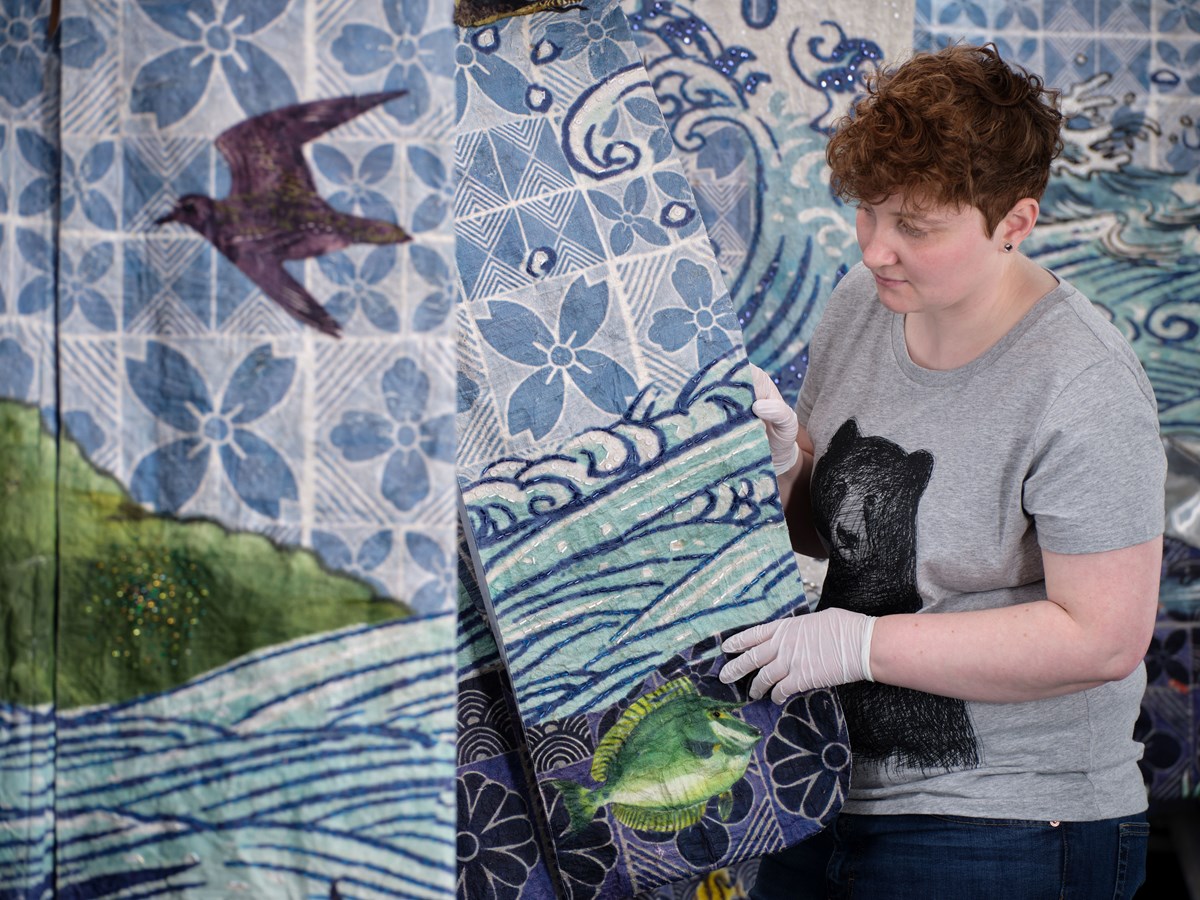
{"x":276,"y":283}
{"x":264,"y":150}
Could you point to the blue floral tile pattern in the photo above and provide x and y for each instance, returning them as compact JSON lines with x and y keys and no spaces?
{"x":360,"y":287}
{"x":433,"y":210}
{"x":629,"y":217}
{"x":408,"y":436}
{"x":25,"y":44}
{"x":438,"y":285}
{"x":201,"y":42}
{"x":489,"y":73}
{"x":704,"y":320}
{"x":339,"y":552}
{"x":24,"y":26}
{"x":85,"y":283}
{"x":175,"y":392}
{"x":520,"y":335}
{"x":40,"y":194}
{"x":356,"y":188}
{"x":599,"y":32}
{"x":415,"y":48}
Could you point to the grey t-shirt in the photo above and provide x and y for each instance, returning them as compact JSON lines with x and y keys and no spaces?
{"x":934,"y":491}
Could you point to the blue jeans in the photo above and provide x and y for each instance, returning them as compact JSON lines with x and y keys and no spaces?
{"x":931,"y":857}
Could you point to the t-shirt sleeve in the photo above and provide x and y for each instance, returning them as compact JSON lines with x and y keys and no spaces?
{"x":810,"y":386}
{"x":1097,"y":479}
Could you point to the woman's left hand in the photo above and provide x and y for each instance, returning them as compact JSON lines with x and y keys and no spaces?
{"x":818,"y":650}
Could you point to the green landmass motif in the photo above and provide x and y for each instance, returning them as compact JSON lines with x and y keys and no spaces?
{"x":144,"y":602}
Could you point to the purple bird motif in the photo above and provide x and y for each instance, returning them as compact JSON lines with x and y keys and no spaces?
{"x":273,"y":212}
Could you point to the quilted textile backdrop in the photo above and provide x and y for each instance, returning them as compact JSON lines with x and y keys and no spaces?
{"x":228,"y":549}
{"x":618,"y":495}
{"x":228,"y":539}
{"x":746,"y":90}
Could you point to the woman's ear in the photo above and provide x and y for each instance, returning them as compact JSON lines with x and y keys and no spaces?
{"x":1019,"y":222}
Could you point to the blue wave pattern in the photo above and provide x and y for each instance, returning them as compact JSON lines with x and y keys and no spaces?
{"x":283,"y":773}
{"x":750,"y":135}
{"x":655,"y":532}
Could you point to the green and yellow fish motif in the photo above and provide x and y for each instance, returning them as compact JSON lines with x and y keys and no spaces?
{"x":668,"y":754}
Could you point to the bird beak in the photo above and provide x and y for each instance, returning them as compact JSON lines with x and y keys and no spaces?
{"x":163,"y":220}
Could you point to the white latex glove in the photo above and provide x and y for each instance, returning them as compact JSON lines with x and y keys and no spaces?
{"x":779,"y":418}
{"x":817,"y":650}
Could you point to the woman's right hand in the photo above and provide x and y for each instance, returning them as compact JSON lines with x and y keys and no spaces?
{"x":780,"y":421}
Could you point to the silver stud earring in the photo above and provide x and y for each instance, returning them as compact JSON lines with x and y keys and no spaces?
{"x":1008,"y":248}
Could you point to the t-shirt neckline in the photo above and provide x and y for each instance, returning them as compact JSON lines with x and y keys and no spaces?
{"x":923,"y":375}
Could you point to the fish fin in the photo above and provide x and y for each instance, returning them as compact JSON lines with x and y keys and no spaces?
{"x":725,"y":805}
{"x":641,"y":818}
{"x":720,"y":885}
{"x":614,"y":739}
{"x":580,"y":802}
{"x":701,"y":749}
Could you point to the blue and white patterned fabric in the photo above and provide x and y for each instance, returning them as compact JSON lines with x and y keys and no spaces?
{"x":749,"y":92}
{"x":311,"y":752}
{"x":638,"y":197}
{"x":1126,"y":231}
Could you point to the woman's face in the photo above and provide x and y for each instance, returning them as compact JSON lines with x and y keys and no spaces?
{"x":927,"y":260}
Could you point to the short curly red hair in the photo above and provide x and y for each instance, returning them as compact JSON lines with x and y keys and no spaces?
{"x":958,"y":128}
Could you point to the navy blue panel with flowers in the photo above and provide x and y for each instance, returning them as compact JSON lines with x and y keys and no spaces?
{"x":794,"y":783}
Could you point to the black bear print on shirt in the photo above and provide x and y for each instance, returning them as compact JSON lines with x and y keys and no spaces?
{"x":865,"y":494}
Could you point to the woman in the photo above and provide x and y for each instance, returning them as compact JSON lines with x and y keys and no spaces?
{"x":976,"y":451}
